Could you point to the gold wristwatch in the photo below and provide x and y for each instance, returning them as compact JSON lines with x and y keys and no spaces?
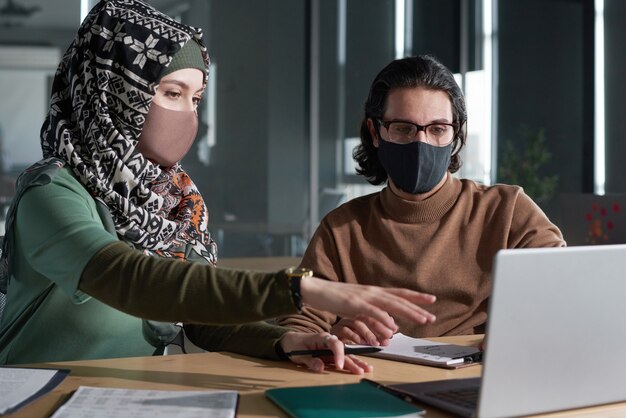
{"x":295,"y":276}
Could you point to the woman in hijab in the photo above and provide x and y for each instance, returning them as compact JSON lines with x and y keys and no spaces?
{"x":98,"y":228}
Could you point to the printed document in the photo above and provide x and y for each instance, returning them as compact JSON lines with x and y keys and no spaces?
{"x":96,"y":402}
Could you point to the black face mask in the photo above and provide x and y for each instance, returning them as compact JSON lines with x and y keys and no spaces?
{"x":416,"y":167}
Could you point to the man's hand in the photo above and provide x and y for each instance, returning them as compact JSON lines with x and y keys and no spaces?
{"x":354,"y":331}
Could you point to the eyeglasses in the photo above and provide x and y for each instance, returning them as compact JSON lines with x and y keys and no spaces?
{"x":438,"y":134}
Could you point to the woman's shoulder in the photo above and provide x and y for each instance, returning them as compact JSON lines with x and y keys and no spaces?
{"x":51,"y":173}
{"x":50,"y":180}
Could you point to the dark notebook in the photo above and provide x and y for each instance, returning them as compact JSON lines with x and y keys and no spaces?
{"x":363,"y":399}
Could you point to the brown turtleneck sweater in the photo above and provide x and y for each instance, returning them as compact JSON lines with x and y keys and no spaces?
{"x":442,"y":245}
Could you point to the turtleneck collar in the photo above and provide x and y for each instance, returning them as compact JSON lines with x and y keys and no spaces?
{"x":423,"y":211}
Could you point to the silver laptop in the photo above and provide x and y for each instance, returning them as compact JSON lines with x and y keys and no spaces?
{"x":556,"y":336}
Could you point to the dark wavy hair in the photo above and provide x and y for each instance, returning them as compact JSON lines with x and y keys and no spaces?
{"x":420,"y":71}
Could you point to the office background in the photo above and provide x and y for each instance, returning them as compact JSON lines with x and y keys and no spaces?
{"x":288,"y":82}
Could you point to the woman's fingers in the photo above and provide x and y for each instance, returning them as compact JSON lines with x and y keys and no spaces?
{"x":399,"y":302}
{"x":360,"y":301}
{"x":357,"y":365}
{"x":336,"y":346}
{"x":292,"y":341}
{"x":373,"y":306}
{"x":412,"y":295}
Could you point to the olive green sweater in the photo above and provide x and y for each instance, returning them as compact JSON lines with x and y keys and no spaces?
{"x":76,"y":292}
{"x":442,"y":245}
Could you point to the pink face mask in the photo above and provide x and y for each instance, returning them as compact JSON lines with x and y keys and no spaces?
{"x":167,"y":134}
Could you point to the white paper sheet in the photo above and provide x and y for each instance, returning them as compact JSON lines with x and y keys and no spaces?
{"x":423,"y":351}
{"x":96,"y":402}
{"x":18,"y":385}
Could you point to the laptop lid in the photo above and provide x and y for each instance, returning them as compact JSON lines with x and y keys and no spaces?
{"x":555,"y":336}
{"x":556,"y":331}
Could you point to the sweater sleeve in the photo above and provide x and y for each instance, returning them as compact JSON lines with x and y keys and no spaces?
{"x":322,"y":257}
{"x":257,"y":339}
{"x":171,"y":290}
{"x":530,"y":227}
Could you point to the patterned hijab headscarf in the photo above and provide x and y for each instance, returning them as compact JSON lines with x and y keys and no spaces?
{"x":101,"y":94}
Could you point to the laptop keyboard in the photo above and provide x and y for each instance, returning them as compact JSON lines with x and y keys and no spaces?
{"x":465,"y":397}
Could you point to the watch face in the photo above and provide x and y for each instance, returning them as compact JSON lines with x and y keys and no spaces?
{"x":300,"y":272}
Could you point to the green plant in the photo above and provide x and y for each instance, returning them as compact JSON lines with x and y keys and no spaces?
{"x":521,"y":165}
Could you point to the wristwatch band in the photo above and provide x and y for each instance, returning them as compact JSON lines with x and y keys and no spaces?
{"x":295,"y":278}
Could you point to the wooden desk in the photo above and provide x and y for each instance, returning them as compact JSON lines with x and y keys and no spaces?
{"x":249,"y":376}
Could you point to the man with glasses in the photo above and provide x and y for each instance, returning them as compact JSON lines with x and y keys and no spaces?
{"x":426,"y":230}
